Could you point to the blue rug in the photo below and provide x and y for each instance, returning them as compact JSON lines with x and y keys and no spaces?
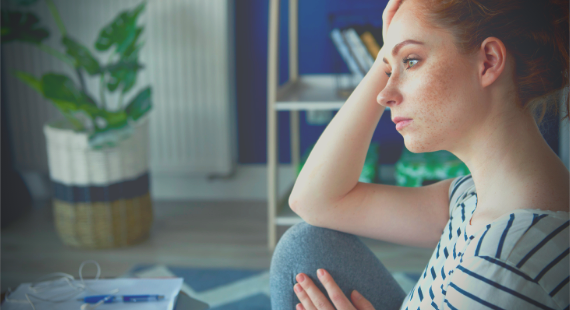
{"x":231,"y":289}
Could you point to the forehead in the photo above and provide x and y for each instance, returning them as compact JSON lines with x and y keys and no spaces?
{"x":407,"y":25}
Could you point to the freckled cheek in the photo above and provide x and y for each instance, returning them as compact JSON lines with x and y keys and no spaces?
{"x":429,"y":96}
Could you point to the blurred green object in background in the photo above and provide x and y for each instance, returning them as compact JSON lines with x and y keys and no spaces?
{"x":418,"y":169}
{"x":106,"y":125}
{"x":369,"y":170}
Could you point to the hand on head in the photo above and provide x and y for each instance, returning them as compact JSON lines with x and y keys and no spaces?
{"x":388,"y":14}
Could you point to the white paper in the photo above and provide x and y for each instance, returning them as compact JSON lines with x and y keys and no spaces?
{"x":167,"y":287}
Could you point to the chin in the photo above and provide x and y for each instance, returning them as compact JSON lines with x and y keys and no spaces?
{"x":419,"y":145}
{"x":413,"y":148}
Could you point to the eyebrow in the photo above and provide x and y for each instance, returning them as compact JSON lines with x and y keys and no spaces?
{"x":398,"y":46}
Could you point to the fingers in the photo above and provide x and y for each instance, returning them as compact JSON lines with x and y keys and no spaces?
{"x":360,"y":302}
{"x":310,"y":295}
{"x":391,"y":7}
{"x":312,"y":298}
{"x":335,"y":293}
{"x":388,"y":14}
{"x":306,"y":303}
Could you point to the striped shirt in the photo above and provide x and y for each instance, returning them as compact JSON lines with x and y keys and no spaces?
{"x":519,"y":261}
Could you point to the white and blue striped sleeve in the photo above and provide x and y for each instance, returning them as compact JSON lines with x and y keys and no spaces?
{"x":488,"y":283}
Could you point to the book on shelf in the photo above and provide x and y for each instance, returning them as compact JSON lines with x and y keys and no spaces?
{"x":371,"y":37}
{"x":358,"y":47}
{"x":371,"y":44}
{"x":346,"y":54}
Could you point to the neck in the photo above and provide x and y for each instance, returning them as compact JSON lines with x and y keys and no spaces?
{"x":508,"y":158}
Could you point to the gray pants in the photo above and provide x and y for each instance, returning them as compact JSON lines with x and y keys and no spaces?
{"x":353,"y":266}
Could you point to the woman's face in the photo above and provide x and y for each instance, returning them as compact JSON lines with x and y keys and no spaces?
{"x":430,"y":83}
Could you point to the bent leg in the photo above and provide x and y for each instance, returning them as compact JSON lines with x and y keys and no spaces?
{"x":306,"y":248}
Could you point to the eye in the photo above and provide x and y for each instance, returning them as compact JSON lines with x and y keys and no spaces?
{"x":410,"y":60}
{"x":407,"y":61}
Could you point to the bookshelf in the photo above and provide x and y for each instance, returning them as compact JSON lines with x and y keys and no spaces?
{"x":300,"y":93}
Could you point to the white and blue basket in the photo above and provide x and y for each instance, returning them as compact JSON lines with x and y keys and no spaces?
{"x":101,"y":196}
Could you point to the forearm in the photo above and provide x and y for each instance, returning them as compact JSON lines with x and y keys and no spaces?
{"x":336,"y":161}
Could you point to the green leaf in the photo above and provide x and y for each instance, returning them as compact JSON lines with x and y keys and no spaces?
{"x":123,"y":64}
{"x":140,"y":105}
{"x":127,"y":78}
{"x":110,"y":128}
{"x":74,"y":104}
{"x":104,"y":120}
{"x":22,"y":26}
{"x":122,"y":31}
{"x":103,"y":125}
{"x":63,"y":92}
{"x":125,"y":73}
{"x":110,"y":138}
{"x":83,"y":57}
{"x":107,"y":120}
{"x":30,"y":80}
{"x":132,"y":47}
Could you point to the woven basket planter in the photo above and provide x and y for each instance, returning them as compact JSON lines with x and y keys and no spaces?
{"x":101,"y":197}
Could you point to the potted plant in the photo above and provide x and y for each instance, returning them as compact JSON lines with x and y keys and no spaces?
{"x":98,"y":158}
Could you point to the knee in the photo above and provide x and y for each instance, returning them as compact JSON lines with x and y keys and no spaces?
{"x":293,"y":237}
{"x":297,"y":233}
{"x":295,"y":252}
{"x":300,"y":234}
{"x":302,"y":239}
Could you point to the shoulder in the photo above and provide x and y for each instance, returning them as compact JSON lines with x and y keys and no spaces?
{"x":519,"y":235}
{"x":542,"y":251}
{"x":497,"y":284}
{"x":529,"y":247}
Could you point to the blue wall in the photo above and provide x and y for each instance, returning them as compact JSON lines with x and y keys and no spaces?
{"x":317,"y":54}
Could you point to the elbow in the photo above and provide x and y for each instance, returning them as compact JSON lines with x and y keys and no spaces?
{"x":294,"y":204}
{"x":296,"y":207}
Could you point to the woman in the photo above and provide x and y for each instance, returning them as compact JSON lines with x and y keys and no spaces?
{"x":471,"y":75}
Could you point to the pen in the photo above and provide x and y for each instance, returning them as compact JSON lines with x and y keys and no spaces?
{"x":124,"y":298}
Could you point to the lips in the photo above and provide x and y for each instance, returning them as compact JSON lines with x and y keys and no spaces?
{"x":402,"y":124}
{"x":399,"y":119}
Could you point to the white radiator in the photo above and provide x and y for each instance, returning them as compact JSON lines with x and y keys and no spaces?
{"x":188,"y":57}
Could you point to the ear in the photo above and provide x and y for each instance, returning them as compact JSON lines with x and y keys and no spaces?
{"x":493,"y":60}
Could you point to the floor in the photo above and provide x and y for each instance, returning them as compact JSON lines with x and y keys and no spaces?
{"x":185,"y":233}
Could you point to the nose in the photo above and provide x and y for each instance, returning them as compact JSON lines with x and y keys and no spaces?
{"x":389,"y":96}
